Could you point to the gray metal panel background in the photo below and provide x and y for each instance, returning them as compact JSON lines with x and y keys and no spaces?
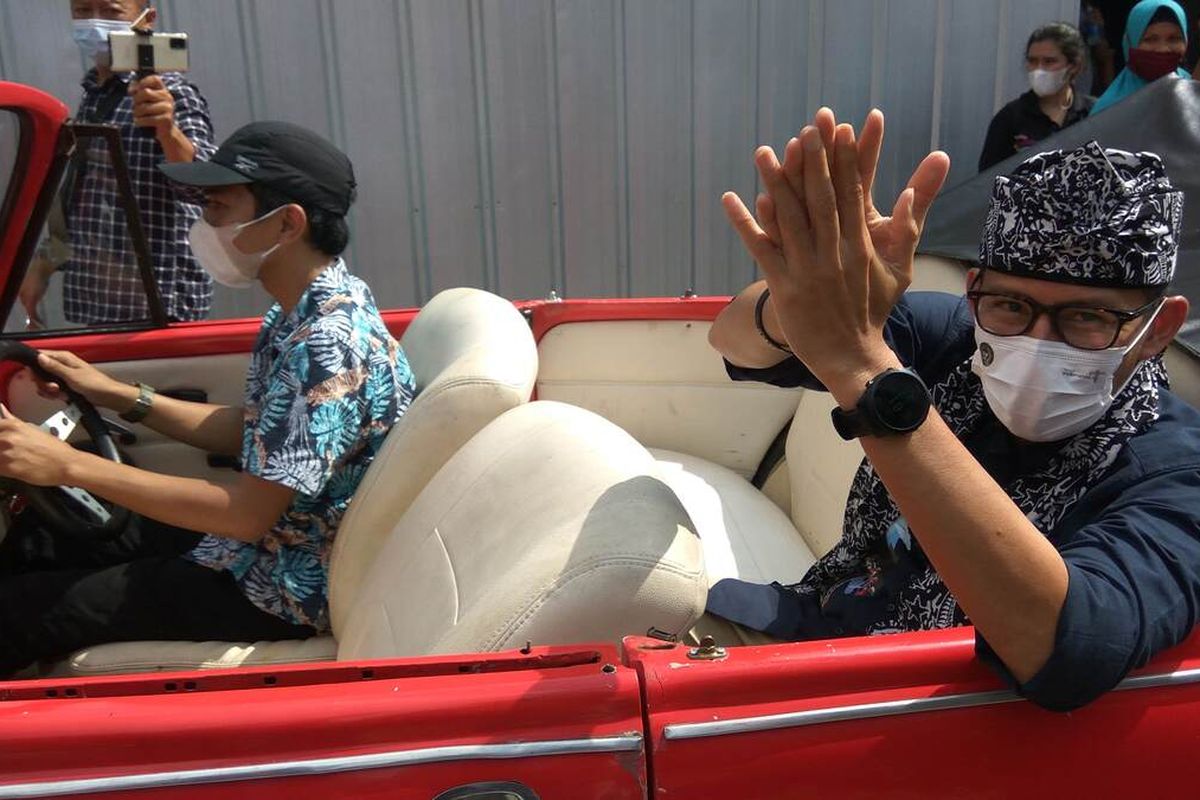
{"x":520,"y":145}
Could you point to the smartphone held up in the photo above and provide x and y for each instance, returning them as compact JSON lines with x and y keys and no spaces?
{"x":148,"y":53}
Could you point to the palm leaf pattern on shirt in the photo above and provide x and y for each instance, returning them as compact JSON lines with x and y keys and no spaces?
{"x":328,"y":340}
{"x":338,"y":386}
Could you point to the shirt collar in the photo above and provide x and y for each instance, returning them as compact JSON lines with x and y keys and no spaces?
{"x":91,"y":79}
{"x":332,"y":280}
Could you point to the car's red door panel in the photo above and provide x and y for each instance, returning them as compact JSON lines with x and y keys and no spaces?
{"x":911,"y":715}
{"x":564,"y":722}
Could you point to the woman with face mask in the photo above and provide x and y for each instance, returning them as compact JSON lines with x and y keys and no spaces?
{"x":1154,"y":44}
{"x":1054,"y":57}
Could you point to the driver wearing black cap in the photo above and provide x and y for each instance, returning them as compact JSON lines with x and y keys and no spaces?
{"x":202,"y":560}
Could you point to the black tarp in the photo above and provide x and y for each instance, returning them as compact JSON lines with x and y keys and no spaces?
{"x":1163,"y":118}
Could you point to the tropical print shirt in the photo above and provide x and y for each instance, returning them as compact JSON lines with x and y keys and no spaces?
{"x":325,"y":384}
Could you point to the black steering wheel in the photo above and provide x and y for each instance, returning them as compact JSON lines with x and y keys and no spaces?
{"x":70,"y":510}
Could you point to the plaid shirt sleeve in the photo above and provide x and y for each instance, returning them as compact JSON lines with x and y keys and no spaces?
{"x":193,"y":119}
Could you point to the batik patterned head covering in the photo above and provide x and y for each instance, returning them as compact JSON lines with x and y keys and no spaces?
{"x":1091,"y":216}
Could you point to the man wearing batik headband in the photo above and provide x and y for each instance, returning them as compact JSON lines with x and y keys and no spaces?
{"x":1045,"y":487}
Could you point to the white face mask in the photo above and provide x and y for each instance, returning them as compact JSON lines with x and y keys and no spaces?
{"x":220,"y":257}
{"x":1046,"y":82}
{"x":1045,"y":391}
{"x":92,"y":37}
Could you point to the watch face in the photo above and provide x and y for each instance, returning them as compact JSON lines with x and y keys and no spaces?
{"x":901,"y":401}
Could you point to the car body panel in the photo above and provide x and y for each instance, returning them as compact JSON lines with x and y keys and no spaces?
{"x":542,"y":718}
{"x":905,"y":715}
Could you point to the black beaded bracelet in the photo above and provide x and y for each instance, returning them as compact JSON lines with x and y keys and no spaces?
{"x":762,"y":329}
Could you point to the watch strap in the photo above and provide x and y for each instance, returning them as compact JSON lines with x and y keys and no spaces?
{"x":850,"y":424}
{"x":141,"y":406}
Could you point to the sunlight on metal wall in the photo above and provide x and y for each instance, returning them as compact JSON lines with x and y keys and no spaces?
{"x":580,"y":145}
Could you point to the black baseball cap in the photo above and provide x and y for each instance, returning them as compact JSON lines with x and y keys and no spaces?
{"x":290,"y":159}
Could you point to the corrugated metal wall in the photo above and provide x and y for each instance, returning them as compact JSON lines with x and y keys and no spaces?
{"x":520,"y":145}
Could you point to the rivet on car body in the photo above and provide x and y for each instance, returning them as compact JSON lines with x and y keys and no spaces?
{"x":707,"y":651}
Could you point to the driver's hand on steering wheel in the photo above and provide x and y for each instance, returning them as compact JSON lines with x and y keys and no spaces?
{"x":98,"y":388}
{"x":29,"y":454}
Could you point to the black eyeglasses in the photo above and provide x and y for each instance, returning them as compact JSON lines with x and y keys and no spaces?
{"x":1082,"y":326}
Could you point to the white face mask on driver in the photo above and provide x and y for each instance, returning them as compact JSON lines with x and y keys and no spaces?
{"x":216,"y":252}
{"x":1044,"y":391}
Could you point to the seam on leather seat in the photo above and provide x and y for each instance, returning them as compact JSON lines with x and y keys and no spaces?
{"x":455,"y":383}
{"x":437,"y":534}
{"x":387,"y":618}
{"x":552,"y":589}
{"x":431,"y":395}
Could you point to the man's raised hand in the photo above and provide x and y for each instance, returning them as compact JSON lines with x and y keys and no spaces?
{"x":835,"y":265}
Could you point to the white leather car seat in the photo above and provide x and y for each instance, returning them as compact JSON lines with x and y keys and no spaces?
{"x":747,"y":536}
{"x":473,"y":358}
{"x":550,"y":526}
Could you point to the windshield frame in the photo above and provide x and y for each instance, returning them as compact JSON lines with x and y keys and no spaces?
{"x":72,"y":136}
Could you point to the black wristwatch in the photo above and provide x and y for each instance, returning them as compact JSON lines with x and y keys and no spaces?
{"x":895,"y":402}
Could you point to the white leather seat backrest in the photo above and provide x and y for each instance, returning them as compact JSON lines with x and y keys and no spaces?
{"x":473,"y":357}
{"x":549,"y":526}
{"x":821,"y":466}
{"x":938,"y":274}
{"x":1184,"y":369}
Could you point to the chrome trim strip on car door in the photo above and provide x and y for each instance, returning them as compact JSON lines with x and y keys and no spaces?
{"x":1178,"y":678}
{"x":820,"y":716}
{"x":623,"y":743}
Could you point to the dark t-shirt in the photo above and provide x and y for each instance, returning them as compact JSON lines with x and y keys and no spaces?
{"x":1131,"y":543}
{"x":1022,"y":123}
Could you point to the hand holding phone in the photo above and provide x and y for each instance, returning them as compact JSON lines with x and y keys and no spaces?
{"x":153,"y":104}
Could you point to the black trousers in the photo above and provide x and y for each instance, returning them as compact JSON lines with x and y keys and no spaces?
{"x":59,"y":594}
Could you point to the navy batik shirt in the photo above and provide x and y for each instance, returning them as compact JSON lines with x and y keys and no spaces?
{"x":101,"y":280}
{"x":1131,"y":543}
{"x":326,"y":383}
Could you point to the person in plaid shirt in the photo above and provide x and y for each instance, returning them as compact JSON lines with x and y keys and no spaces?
{"x":161,"y":118}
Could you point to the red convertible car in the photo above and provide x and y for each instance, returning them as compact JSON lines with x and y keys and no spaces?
{"x":517,"y":593}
